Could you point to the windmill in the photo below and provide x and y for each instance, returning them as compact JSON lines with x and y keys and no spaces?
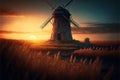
{"x":62,"y":20}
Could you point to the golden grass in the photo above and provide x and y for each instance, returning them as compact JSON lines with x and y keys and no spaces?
{"x":24,"y":63}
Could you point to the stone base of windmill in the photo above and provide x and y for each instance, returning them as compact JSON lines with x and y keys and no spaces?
{"x":62,"y":42}
{"x":58,"y":45}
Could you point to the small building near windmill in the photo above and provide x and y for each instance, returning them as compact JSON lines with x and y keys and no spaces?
{"x":61,"y":30}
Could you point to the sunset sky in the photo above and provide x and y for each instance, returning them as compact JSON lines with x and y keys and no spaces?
{"x":28,"y":15}
{"x":101,"y":11}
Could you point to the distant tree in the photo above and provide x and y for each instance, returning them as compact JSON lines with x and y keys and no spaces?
{"x":87,"y":42}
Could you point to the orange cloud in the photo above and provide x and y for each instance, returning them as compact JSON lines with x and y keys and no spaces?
{"x":5,"y":11}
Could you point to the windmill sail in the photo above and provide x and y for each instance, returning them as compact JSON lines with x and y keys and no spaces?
{"x":46,"y":22}
{"x":68,"y":3}
{"x":74,"y":23}
{"x":50,"y":4}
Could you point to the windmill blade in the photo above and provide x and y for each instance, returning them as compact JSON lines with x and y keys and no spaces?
{"x":74,"y":23}
{"x":50,"y":4}
{"x":68,"y":3}
{"x":46,"y":22}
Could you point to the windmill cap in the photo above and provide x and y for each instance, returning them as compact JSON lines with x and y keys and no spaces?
{"x":61,"y":11}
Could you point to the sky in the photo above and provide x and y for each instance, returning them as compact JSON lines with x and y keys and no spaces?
{"x":85,"y":11}
{"x":28,"y":15}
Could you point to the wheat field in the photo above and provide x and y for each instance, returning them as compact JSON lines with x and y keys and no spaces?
{"x":19,"y":62}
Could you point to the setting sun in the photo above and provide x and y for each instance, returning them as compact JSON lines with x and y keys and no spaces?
{"x":32,"y":37}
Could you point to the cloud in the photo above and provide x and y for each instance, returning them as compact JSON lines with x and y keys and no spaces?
{"x":98,"y":28}
{"x":114,"y":28}
{"x":6,"y":12}
{"x":10,"y":32}
{"x":7,"y":16}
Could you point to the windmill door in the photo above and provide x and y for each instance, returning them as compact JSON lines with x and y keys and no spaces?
{"x":59,"y":36}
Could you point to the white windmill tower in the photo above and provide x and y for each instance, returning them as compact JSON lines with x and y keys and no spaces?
{"x":61,"y":30}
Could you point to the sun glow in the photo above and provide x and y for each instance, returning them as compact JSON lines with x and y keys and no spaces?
{"x":32,"y":37}
{"x":25,"y":36}
{"x":26,"y":27}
